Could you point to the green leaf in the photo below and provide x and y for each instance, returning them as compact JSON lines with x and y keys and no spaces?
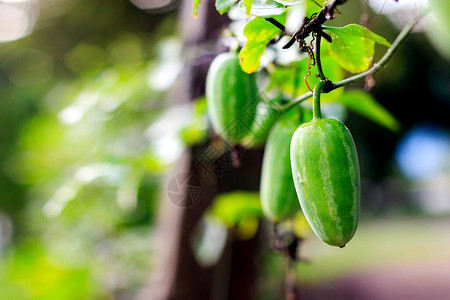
{"x":195,"y":8}
{"x":353,"y":46}
{"x":258,"y":33}
{"x":364,"y":104}
{"x":223,"y":6}
{"x":232,"y":208}
{"x":262,"y":8}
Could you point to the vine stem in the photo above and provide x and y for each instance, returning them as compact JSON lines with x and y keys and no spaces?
{"x":375,"y":68}
{"x":317,"y":114}
{"x":319,"y":63}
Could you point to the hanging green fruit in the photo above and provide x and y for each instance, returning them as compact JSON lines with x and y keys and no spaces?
{"x":231,"y":96}
{"x":278,"y":195}
{"x":326,"y":175}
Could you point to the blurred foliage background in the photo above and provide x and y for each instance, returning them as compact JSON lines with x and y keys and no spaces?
{"x":87,"y":132}
{"x":80,"y":172}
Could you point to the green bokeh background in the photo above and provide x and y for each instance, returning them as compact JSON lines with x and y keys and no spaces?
{"x":80,"y":174}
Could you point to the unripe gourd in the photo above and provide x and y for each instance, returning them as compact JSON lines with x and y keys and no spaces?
{"x":278,"y":195}
{"x":326,"y":175}
{"x":231,"y":96}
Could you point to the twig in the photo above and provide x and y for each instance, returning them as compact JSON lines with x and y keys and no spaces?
{"x":314,"y":24}
{"x":296,"y":101}
{"x":276,"y":24}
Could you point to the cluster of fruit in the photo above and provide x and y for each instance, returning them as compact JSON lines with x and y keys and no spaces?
{"x":312,"y":163}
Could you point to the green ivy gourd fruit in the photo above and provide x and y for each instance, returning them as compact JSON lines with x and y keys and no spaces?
{"x":326,"y":175}
{"x":231,"y":96}
{"x":278,"y":196}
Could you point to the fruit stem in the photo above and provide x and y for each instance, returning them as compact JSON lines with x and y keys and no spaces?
{"x":316,"y":100}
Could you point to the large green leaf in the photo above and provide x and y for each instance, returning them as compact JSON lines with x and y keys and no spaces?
{"x":223,"y":6}
{"x":195,"y":5}
{"x":353,"y":46}
{"x":365,"y":105}
{"x":258,"y":32}
{"x":262,"y":8}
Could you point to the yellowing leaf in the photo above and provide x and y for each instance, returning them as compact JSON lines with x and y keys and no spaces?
{"x":258,"y":32}
{"x":353,"y":46}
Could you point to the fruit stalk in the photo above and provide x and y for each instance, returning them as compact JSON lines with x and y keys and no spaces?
{"x":317,"y":114}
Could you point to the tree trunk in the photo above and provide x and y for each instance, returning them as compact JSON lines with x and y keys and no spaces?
{"x":178,"y":274}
